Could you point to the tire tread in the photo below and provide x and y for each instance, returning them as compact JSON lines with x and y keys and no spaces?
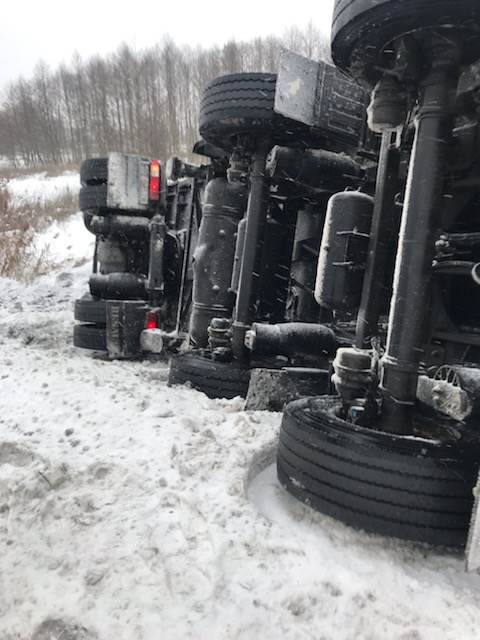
{"x":385,"y":484}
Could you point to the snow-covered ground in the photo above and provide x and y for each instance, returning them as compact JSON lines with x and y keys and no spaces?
{"x":132,"y":511}
{"x":39,"y":189}
{"x":63,"y":242}
{"x":66,"y":242}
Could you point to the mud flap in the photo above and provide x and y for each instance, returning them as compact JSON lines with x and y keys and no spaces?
{"x":473,"y":545}
{"x":125,"y":323}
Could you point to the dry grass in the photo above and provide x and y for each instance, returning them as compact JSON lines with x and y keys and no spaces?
{"x":36,"y":215}
{"x":19,"y":258}
{"x":42,"y":214}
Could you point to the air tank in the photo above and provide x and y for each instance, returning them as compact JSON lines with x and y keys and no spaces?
{"x":344,"y":250}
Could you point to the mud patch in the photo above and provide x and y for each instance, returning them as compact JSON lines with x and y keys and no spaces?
{"x":61,"y":630}
{"x":14,"y":455}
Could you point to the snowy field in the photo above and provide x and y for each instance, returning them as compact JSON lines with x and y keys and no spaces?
{"x":60,"y":240}
{"x":66,"y":242}
{"x":131,"y":511}
{"x":39,"y":189}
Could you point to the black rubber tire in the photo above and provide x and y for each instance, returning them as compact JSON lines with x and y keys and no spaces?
{"x":407,"y":488}
{"x":215,"y":379}
{"x":362,"y":28}
{"x":93,"y":197}
{"x":90,"y":310}
{"x":243,"y":103}
{"x":94,"y":171}
{"x":90,"y":336}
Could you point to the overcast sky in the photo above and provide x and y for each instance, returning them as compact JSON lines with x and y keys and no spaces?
{"x":54,"y":29}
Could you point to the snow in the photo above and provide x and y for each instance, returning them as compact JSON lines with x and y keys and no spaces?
{"x":39,"y":188}
{"x":123,"y":524}
{"x":370,"y":587}
{"x":63,"y":242}
{"x":66,"y":242}
{"x":132,"y":510}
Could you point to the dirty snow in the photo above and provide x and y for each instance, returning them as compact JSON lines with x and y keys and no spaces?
{"x":129,"y":510}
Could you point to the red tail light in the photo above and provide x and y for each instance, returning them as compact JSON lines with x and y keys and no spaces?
{"x":154,"y":181}
{"x":152,"y":322}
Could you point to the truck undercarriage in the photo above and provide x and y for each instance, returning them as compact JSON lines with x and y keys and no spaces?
{"x":338,"y":265}
{"x":397,"y":450}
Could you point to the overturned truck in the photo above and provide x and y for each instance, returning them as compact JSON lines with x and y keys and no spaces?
{"x":342,"y":263}
{"x":395,"y":448}
{"x":145,"y":225}
{"x":255,"y":323}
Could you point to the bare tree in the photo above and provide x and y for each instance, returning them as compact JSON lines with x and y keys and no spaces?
{"x":134,"y":101}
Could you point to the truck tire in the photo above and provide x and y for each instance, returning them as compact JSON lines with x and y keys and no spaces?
{"x":413,"y":489}
{"x":94,"y":171}
{"x":90,"y":336}
{"x":90,"y":310}
{"x":362,"y":28}
{"x":93,"y":197}
{"x":242,"y":103}
{"x":215,"y":379}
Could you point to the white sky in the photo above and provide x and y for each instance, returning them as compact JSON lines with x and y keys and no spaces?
{"x":53,"y":29}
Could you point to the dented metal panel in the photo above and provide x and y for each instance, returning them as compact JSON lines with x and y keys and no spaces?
{"x":318,"y":95}
{"x":128,"y":177}
{"x":296,"y":91}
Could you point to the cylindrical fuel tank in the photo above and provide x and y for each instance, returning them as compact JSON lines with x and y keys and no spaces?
{"x":224,"y":207}
{"x":290,"y":339}
{"x":123,"y":227}
{"x":315,"y":168}
{"x":344,"y":250}
{"x":117,"y":286}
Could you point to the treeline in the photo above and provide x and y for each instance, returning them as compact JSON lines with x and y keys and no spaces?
{"x":139,"y":102}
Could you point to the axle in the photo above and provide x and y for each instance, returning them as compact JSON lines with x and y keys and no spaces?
{"x":413,"y":271}
{"x":257,"y":210}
